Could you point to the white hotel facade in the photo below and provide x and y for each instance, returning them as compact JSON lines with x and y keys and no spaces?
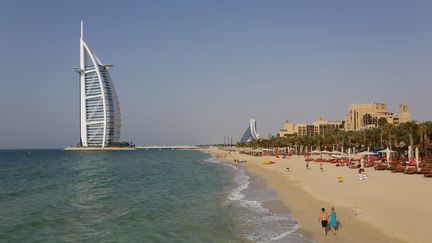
{"x":99,"y":105}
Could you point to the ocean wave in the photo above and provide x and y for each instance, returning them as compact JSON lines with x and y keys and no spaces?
{"x":256,"y":222}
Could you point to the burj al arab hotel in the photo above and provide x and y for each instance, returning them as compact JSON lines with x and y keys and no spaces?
{"x":99,"y":105}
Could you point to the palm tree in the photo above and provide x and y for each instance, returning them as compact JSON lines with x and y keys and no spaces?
{"x":350,"y":135}
{"x":382,"y":122}
{"x":410,"y":128}
{"x":390,"y":131}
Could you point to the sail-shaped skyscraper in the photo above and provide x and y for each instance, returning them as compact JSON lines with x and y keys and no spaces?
{"x":99,"y":105}
{"x":251,"y":132}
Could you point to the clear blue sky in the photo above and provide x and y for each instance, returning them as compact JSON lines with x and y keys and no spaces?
{"x":190,"y":72}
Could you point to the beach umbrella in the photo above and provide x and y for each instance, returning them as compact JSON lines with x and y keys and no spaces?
{"x":417,"y":156}
{"x":349,"y":155}
{"x":368,"y":149}
{"x":409,"y":152}
{"x":325,"y":152}
{"x":354,"y":152}
{"x":342,"y":149}
{"x":387,"y":151}
{"x":388,"y":155}
{"x":366,"y":153}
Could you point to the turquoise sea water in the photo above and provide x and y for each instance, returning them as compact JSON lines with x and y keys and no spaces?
{"x":133,"y":196}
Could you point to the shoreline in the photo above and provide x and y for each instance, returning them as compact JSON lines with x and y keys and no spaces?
{"x":257,"y":213}
{"x":305,"y":206}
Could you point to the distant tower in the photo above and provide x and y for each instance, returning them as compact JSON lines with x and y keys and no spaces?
{"x":99,"y":105}
{"x":251,"y":132}
{"x":404,"y":115}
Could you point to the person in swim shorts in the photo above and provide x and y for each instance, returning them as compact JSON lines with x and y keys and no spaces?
{"x":324,"y":218}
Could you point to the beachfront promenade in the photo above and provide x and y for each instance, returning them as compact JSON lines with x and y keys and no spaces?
{"x":387,"y":207}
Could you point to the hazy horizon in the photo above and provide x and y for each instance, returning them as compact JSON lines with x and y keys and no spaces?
{"x":192,"y":72}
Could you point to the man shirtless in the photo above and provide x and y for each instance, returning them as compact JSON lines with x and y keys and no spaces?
{"x":324,"y":218}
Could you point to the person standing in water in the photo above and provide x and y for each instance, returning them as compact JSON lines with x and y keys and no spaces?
{"x":324,"y":217}
{"x":333,"y":221}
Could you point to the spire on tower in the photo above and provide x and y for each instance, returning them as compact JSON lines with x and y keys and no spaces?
{"x":82,"y":29}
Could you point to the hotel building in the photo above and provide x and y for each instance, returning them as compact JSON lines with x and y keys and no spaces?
{"x":364,"y":116}
{"x":99,"y":105}
{"x":251,"y":132}
{"x":360,"y":116}
{"x":320,"y":126}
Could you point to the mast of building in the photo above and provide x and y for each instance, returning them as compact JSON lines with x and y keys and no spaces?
{"x":83,"y":130}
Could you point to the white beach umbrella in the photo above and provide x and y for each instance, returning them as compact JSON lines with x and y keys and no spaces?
{"x":409,"y":152}
{"x":342,"y":149}
{"x":366,"y":153}
{"x":417,"y":156}
{"x":354,"y":150}
{"x":388,"y":155}
{"x":349,"y":155}
{"x":387,"y":151}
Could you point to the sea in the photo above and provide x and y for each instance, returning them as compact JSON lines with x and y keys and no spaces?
{"x":136,"y":196}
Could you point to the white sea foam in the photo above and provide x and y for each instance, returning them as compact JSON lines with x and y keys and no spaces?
{"x":257,"y":223}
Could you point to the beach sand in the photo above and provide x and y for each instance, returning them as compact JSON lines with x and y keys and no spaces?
{"x":387,"y":207}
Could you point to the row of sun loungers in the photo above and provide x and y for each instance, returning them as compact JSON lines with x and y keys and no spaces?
{"x":425,"y":168}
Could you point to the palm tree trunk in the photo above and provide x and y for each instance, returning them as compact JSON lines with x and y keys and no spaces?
{"x":389,"y":141}
{"x":381,"y":137}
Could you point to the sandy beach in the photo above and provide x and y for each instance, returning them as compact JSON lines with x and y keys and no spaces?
{"x":387,"y":207}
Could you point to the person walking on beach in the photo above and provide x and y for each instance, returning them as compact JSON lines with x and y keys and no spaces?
{"x":307,"y":165}
{"x":333,"y":221}
{"x":321,"y":168}
{"x":324,"y":217}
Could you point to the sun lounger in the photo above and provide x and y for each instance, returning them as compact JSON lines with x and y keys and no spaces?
{"x":410,"y":170}
{"x":399,"y":169}
{"x":392,"y":167}
{"x":380,"y":167}
{"x":424,"y":170}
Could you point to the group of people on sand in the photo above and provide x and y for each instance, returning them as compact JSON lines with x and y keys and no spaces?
{"x":328,"y":221}
{"x":321,"y":166}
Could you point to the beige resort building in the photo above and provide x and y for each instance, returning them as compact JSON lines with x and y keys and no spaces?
{"x":364,"y":116}
{"x":360,"y":116}
{"x":320,"y":126}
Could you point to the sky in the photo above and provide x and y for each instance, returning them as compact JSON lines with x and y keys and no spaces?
{"x":192,"y":72}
